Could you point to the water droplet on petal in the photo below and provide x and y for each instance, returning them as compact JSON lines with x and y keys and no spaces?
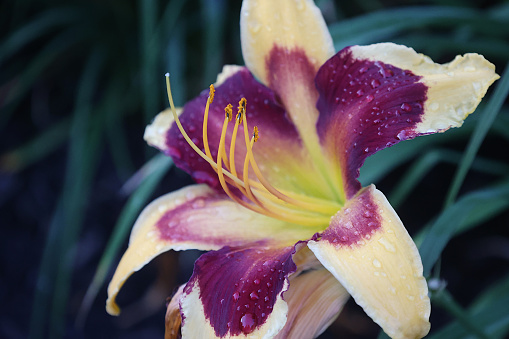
{"x":406,"y":107}
{"x":256,"y":282}
{"x":434,"y":106}
{"x":369,"y":98}
{"x":375,"y":83}
{"x":253,"y":296}
{"x":236,"y":296}
{"x":377,"y":263}
{"x":389,"y":246}
{"x":247,"y":323}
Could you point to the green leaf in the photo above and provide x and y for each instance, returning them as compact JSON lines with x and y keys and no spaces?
{"x":35,"y":29}
{"x":378,"y":26}
{"x":482,"y":128}
{"x":478,"y":205}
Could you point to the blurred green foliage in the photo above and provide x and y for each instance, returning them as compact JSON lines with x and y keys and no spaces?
{"x":78,"y":75}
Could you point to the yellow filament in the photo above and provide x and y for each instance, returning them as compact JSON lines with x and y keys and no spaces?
{"x":189,"y":141}
{"x":205,"y":121}
{"x":274,"y":191}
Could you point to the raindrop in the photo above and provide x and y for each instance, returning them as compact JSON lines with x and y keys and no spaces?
{"x":406,"y":107}
{"x":375,"y":83}
{"x":369,"y":98}
{"x":368,"y":214}
{"x":253,"y":296}
{"x":236,"y":296}
{"x":389,"y":246}
{"x":256,"y":281}
{"x":269,"y":284}
{"x":247,"y":323}
{"x":344,"y":238}
{"x":363,"y":70}
{"x":266,"y":298}
{"x":434,"y":106}
{"x":377,"y":263}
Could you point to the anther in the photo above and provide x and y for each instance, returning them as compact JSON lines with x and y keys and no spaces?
{"x":228,"y":112}
{"x":212,"y":91}
{"x":255,"y":134}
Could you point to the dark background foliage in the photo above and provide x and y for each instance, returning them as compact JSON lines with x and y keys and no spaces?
{"x":80,"y":80}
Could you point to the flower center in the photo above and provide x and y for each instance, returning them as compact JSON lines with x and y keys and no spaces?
{"x":257,"y":195}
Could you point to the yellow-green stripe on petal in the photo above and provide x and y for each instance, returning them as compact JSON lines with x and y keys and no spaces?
{"x":380,"y":267}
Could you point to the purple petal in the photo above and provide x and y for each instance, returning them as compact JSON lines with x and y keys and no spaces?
{"x":238,"y":288}
{"x":365,"y":106}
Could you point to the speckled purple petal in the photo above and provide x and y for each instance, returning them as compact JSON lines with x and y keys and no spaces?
{"x":278,"y":147}
{"x":238,"y":288}
{"x":365,"y":106}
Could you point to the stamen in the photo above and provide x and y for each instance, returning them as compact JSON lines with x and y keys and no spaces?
{"x":271,"y":189}
{"x":206,"y":119}
{"x":263,"y":200}
{"x":188,"y":139}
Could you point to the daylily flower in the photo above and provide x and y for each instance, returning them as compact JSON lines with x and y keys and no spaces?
{"x":289,"y":229}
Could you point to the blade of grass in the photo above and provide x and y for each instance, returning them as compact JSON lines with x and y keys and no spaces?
{"x":154,"y":172}
{"x":81,"y":167}
{"x":489,"y":114}
{"x":36,"y":149}
{"x":490,"y":311}
{"x":214,"y":34}
{"x":378,"y":26}
{"x":35,"y":29}
{"x":57,"y":256}
{"x":437,"y":45}
{"x":453,"y":220}
{"x":149,"y":57}
{"x":39,"y":63}
{"x":446,"y":301}
{"x":426,"y":162}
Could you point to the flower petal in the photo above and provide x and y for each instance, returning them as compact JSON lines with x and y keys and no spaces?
{"x":315,"y":299}
{"x":372,"y":97}
{"x":195,"y":217}
{"x":237,"y":292}
{"x":288,"y":24}
{"x":172,"y":319}
{"x":369,"y":251}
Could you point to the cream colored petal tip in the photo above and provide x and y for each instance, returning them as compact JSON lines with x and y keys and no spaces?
{"x":155,"y":133}
{"x":285,"y":23}
{"x":454,"y":89}
{"x":146,"y":241}
{"x":382,"y":270}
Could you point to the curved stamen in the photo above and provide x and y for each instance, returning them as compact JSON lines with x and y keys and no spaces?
{"x":273,"y":190}
{"x":188,"y":139}
{"x":205,"y":121}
